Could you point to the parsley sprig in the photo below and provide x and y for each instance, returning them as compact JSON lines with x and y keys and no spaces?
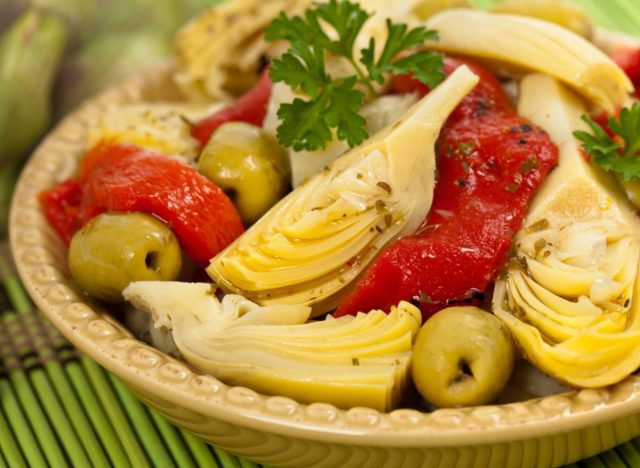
{"x":334,"y":103}
{"x":622,"y":158}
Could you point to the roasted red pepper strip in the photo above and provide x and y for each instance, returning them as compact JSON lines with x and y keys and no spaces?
{"x":61,"y":205}
{"x":250,"y":108}
{"x":628,"y":58}
{"x":121,"y":177}
{"x":490,"y":161}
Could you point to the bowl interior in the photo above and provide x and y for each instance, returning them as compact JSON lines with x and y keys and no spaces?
{"x":40,"y":257}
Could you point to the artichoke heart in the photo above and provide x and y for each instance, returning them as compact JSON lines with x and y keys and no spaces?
{"x":350,"y":361}
{"x":570,"y":293}
{"x":219,"y":50}
{"x":534,"y":44}
{"x":322,"y":235}
{"x":161,"y":127}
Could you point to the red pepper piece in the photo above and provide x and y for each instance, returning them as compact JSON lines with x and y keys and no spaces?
{"x":628,"y":58}
{"x":490,"y":162}
{"x":250,"y":108}
{"x":61,"y":205}
{"x":121,"y":177}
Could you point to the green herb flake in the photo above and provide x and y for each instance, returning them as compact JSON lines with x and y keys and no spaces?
{"x":425,"y":229}
{"x":539,"y":225}
{"x":530,"y":164}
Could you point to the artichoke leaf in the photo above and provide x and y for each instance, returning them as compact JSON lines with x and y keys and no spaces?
{"x":162,"y":127}
{"x":571,"y":300}
{"x":218,"y":52}
{"x":361,"y":360}
{"x":322,"y":235}
{"x":535,"y":45}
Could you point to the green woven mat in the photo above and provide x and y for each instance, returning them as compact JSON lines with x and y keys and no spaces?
{"x":59,"y":408}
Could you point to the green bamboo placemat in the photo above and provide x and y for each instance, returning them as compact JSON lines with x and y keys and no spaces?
{"x":59,"y":408}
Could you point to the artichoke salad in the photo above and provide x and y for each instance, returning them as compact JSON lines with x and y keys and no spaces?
{"x":383,"y":198}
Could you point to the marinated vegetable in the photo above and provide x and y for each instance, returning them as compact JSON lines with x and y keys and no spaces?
{"x":219,"y":51}
{"x":249,"y":165}
{"x":447,"y":193}
{"x":124,"y":177}
{"x":160,"y":127}
{"x":353,"y":361}
{"x":250,"y":108}
{"x":323,"y":234}
{"x":570,"y":294}
{"x":114,"y":249}
{"x":490,"y":162}
{"x":463,"y":356}
{"x":532,"y":44}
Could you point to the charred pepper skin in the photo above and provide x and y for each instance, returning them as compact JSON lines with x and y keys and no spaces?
{"x":127,"y":178}
{"x":490,"y":162}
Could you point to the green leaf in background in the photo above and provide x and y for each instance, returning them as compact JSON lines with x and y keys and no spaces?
{"x":10,"y":10}
{"x":29,"y":55}
{"x":126,"y":36}
{"x":103,"y":61}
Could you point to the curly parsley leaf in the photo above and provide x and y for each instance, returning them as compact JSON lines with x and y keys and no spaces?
{"x":334,"y":104}
{"x":308,"y":124}
{"x":347,"y":19}
{"x":301,"y":67}
{"x":622,"y":158}
{"x":426,"y":66}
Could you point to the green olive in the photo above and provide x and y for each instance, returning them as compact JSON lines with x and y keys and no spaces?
{"x":249,"y":165}
{"x":462,"y":356}
{"x":114,"y":249}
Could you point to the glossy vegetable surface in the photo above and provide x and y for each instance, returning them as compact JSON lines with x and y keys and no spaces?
{"x":250,"y":108}
{"x":570,"y":294}
{"x":128,"y":178}
{"x":462,"y":356}
{"x":490,"y":162}
{"x":114,"y":249}
{"x":352,"y":361}
{"x":324,"y":233}
{"x":249,"y":165}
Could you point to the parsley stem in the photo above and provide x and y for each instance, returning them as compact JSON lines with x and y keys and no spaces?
{"x":362,"y":78}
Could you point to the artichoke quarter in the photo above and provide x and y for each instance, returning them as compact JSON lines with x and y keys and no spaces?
{"x":350,"y":361}
{"x":520,"y":43}
{"x":570,"y":294}
{"x":316,"y":240}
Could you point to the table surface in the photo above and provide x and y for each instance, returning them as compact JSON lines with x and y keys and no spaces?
{"x":59,"y":408}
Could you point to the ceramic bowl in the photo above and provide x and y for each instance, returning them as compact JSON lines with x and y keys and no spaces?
{"x":274,"y":430}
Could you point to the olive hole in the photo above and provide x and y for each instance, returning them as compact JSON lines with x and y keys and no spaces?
{"x":151,"y":261}
{"x":465,"y":372}
{"x":465,"y":369}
